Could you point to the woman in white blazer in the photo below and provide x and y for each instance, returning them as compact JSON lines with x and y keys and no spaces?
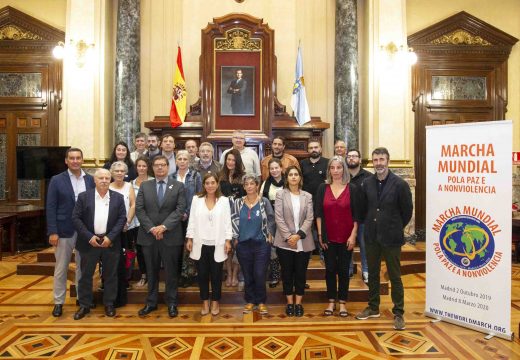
{"x":293,"y":240}
{"x":208,"y":239}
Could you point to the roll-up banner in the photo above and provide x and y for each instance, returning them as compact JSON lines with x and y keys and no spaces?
{"x":468,"y":225}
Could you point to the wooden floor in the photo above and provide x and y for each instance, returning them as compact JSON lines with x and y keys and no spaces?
{"x":28,"y":330}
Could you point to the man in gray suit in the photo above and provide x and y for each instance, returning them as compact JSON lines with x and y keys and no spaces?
{"x":160,"y":207}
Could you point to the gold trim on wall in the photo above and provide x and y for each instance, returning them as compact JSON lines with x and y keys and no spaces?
{"x":460,"y":37}
{"x":13,"y":32}
{"x":94,"y":163}
{"x":238,"y":40}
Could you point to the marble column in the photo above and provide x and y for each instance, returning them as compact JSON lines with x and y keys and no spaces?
{"x":127,"y":92}
{"x":346,"y":93}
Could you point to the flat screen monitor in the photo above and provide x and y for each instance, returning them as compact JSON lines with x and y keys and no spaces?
{"x":40,"y":162}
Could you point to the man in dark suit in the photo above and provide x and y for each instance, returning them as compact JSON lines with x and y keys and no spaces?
{"x":389,"y":209}
{"x":99,"y":217}
{"x":62,"y":194}
{"x":237,"y":89}
{"x":160,"y":208}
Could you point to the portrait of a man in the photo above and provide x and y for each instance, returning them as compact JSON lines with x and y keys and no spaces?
{"x":237,"y":89}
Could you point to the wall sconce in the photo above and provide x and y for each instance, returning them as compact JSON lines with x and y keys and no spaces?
{"x":402,"y":53}
{"x":79,"y":50}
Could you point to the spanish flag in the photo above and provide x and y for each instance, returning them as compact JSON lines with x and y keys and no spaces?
{"x":178,"y":109}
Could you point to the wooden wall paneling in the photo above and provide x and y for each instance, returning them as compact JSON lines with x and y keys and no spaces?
{"x":462,"y":48}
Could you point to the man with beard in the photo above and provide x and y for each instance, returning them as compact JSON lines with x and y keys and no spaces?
{"x":278,"y":147}
{"x":340,"y":148}
{"x":357,"y":176}
{"x":314,"y":170}
{"x":389,"y":209}
{"x":153,"y":146}
{"x":191,"y":147}
{"x":206,"y":164}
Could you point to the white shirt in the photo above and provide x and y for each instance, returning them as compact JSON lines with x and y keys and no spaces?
{"x":249,"y":159}
{"x":78,"y":183}
{"x":135,"y":154}
{"x":295,"y":202}
{"x":101,"y":213}
{"x":172,"y":167}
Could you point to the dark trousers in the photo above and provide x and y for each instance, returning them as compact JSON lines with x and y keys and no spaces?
{"x":294,"y":270}
{"x":89,"y":260}
{"x":392,"y":256}
{"x":208,"y":269}
{"x":140,"y":259}
{"x":170,"y":255}
{"x":337,"y":260}
{"x":254,"y":257}
{"x":122,"y":282}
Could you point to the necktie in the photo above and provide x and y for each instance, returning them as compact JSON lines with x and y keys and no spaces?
{"x":160,"y":192}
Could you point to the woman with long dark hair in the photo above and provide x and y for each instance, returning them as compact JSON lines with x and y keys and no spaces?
{"x":231,"y":185}
{"x":122,"y":153}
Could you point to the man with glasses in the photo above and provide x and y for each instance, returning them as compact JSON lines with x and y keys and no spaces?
{"x":206,"y":164}
{"x":249,"y":156}
{"x":160,"y":208}
{"x":357,"y":176}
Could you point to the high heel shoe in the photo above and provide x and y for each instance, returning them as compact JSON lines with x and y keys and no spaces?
{"x":215,"y":308}
{"x":289,"y":310}
{"x":298,"y":310}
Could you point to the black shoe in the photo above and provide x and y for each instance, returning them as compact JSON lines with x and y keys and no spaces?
{"x":289,"y":310}
{"x":80,"y":314}
{"x":172,"y":311}
{"x":110,"y":310}
{"x":307,"y":286}
{"x":92,"y":306}
{"x":298,"y":310}
{"x":58,"y":310}
{"x":146,"y":310}
{"x":273,"y":284}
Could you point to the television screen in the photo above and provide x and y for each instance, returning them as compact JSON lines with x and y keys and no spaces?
{"x":40,"y":162}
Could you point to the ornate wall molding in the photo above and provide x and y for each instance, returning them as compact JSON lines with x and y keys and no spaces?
{"x":238,"y":39}
{"x":461,"y":37}
{"x":13,"y":32}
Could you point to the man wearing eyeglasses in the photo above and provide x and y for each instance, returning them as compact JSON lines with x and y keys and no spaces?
{"x":357,"y":176}
{"x":160,"y":208}
{"x":249,"y":156}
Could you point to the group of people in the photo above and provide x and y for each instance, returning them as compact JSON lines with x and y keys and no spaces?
{"x":258,"y":220}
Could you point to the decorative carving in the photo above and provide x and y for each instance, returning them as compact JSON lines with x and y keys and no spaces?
{"x":13,"y":32}
{"x":238,"y":39}
{"x":279,"y":108}
{"x":461,"y":37}
{"x":196,"y":109}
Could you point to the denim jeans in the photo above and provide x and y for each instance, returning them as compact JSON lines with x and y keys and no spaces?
{"x":360,"y":240}
{"x":254,"y":257}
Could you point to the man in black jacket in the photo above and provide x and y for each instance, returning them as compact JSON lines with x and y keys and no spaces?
{"x":389,"y":209}
{"x":357,"y":176}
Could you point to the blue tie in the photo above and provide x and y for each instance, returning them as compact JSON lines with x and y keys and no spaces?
{"x":160,"y":192}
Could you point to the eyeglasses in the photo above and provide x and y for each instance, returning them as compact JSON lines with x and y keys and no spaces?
{"x":352,"y":156}
{"x":160,"y":165}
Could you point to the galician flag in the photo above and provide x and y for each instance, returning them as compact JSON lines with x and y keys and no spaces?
{"x":299,"y":99}
{"x":178,"y":109}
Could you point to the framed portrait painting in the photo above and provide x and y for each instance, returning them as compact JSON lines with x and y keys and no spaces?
{"x":237,"y":90}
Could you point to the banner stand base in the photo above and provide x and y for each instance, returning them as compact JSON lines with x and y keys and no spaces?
{"x":489,"y":336}
{"x":435,"y":320}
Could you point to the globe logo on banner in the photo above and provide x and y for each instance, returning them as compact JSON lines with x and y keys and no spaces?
{"x":467,"y":242}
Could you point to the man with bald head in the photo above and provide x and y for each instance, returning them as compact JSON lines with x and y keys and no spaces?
{"x":99,"y":217}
